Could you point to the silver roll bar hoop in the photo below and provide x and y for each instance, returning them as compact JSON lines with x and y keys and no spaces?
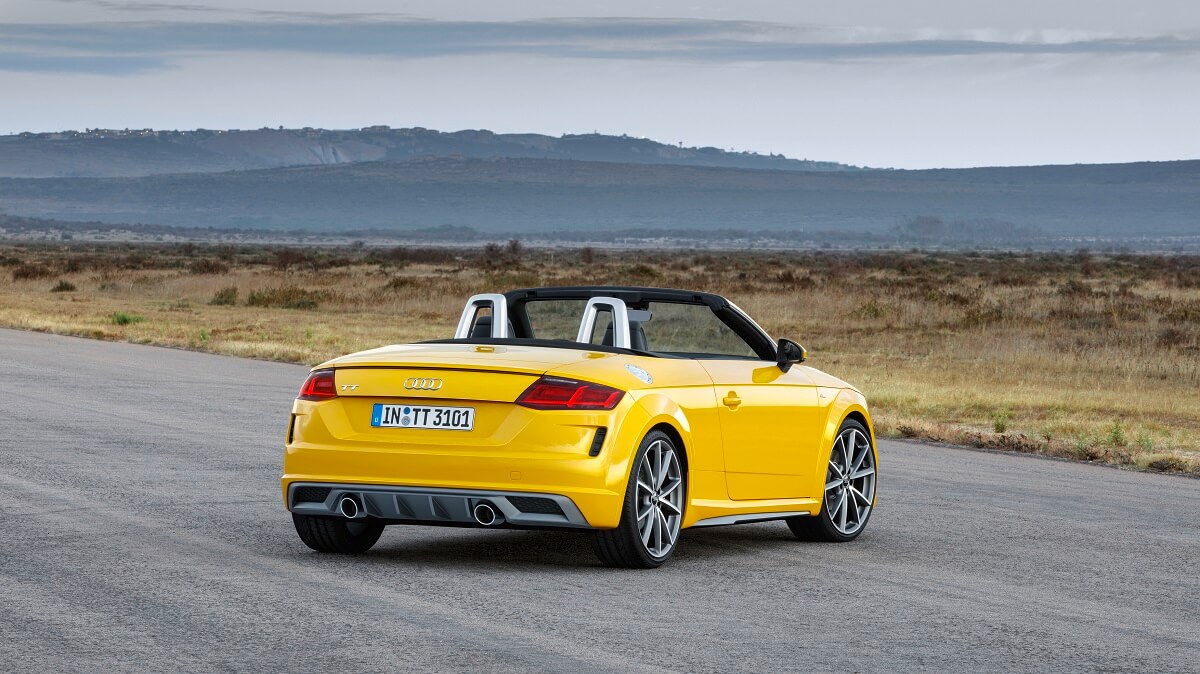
{"x":620,"y":319}
{"x":496,"y":303}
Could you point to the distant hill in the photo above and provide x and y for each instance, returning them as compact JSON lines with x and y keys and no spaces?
{"x":1159,"y":199}
{"x":108,"y":153}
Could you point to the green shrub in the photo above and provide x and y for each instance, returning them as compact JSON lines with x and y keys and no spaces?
{"x":1145,"y":441}
{"x":1000,"y":420}
{"x":63,"y":287}
{"x":122,"y":318}
{"x":1116,"y":435}
{"x":225,"y":297}
{"x":1082,"y":443}
{"x":287,"y":297}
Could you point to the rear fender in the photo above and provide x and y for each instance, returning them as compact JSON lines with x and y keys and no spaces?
{"x":701,"y":438}
{"x":621,"y":447}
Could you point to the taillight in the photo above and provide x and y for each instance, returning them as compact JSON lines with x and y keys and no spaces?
{"x":318,"y":386}
{"x":551,"y":393}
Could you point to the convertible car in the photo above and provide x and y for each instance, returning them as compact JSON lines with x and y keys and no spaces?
{"x":627,"y":413}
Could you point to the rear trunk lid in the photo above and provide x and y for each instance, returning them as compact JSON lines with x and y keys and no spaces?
{"x":498,"y":357}
{"x":447,"y":371}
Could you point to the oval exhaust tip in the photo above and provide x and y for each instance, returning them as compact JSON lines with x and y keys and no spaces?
{"x":485,"y":514}
{"x":348,"y":506}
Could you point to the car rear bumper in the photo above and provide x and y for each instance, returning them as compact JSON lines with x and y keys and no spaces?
{"x":428,"y":505}
{"x":582,"y":456}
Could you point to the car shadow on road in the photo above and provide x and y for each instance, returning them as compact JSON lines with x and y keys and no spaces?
{"x":511,"y":549}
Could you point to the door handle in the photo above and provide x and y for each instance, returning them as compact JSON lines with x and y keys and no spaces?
{"x":731,"y":400}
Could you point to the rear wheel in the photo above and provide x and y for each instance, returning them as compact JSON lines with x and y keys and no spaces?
{"x":849,"y":489}
{"x":653,"y":510}
{"x":334,"y":534}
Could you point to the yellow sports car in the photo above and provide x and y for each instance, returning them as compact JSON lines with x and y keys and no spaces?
{"x":627,"y":413}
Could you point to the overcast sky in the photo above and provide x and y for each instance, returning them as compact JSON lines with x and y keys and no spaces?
{"x":903,"y":83}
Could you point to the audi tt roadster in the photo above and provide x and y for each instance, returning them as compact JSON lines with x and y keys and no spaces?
{"x":627,"y":413}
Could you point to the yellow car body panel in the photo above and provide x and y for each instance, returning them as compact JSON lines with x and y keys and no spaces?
{"x":765,"y":454}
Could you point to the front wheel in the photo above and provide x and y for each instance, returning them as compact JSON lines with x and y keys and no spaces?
{"x":334,"y":534}
{"x":849,"y":489}
{"x":653,"y":510}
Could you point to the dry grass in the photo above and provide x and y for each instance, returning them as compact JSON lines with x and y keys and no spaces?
{"x":1085,"y":356}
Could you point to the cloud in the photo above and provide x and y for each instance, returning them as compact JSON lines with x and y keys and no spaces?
{"x":122,"y":48}
{"x":89,"y":64}
{"x":144,"y":6}
{"x":135,"y":6}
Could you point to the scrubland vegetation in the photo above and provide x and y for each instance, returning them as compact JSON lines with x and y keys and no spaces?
{"x":1086,"y":356}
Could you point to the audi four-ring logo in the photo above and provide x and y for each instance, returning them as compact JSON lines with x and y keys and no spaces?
{"x":422,"y":384}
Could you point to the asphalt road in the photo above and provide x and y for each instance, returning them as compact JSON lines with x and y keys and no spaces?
{"x":142,"y":529}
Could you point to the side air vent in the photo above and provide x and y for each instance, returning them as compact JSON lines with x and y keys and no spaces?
{"x":535,"y":506}
{"x":598,"y":441}
{"x":310,"y":495}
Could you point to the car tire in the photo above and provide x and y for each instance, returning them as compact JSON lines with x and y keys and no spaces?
{"x":337,"y":535}
{"x":849,"y":496}
{"x":626,"y":546}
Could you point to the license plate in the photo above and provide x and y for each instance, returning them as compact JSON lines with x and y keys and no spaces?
{"x":423,"y":416}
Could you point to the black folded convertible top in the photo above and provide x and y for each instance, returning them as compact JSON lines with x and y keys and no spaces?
{"x":630,"y":295}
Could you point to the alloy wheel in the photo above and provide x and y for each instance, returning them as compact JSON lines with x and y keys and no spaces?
{"x":659,"y":498}
{"x":850,"y":482}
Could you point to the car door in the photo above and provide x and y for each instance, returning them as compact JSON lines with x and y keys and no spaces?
{"x":770,"y":428}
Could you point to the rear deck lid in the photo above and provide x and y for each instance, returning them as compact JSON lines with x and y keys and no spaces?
{"x":448,"y":371}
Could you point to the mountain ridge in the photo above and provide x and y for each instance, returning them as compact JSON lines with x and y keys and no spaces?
{"x":110,"y":153}
{"x":522,"y":194}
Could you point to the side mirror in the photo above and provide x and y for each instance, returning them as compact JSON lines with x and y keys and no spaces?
{"x":789,"y":353}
